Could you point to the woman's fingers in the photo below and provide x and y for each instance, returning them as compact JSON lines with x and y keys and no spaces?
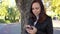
{"x":27,"y":30}
{"x":31,"y":31}
{"x":34,"y":28}
{"x":27,"y":25}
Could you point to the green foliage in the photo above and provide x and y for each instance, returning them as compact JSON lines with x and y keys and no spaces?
{"x":8,"y":14}
{"x":12,"y":14}
{"x":2,"y":21}
{"x":54,"y":6}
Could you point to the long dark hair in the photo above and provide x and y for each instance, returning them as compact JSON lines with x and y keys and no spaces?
{"x":42,"y":15}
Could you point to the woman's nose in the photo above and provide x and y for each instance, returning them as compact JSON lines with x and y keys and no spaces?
{"x":35,"y":10}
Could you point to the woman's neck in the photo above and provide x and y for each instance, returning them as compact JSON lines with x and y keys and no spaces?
{"x":37,"y":17}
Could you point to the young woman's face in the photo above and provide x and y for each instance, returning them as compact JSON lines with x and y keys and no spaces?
{"x":36,"y":8}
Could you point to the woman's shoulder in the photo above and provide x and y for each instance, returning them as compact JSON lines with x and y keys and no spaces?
{"x":48,"y":17}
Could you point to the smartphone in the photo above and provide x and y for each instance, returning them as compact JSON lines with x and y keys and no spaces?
{"x":29,"y":28}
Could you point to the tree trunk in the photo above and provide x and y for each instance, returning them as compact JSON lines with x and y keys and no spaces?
{"x":24,"y":7}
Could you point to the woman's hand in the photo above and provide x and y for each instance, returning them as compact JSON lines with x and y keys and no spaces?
{"x":31,"y":31}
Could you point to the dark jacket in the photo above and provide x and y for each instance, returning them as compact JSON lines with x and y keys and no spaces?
{"x":44,"y":28}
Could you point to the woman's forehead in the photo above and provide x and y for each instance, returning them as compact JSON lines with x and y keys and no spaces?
{"x":36,"y":4}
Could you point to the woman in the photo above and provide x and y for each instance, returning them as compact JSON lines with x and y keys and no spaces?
{"x":39,"y":22}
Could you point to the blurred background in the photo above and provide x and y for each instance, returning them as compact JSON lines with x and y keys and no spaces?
{"x":9,"y":13}
{"x":10,"y":16}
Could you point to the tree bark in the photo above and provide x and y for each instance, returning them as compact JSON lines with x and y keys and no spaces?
{"x":24,"y":7}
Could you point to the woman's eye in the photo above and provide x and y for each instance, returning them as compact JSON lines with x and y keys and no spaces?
{"x":32,"y":8}
{"x":37,"y":8}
